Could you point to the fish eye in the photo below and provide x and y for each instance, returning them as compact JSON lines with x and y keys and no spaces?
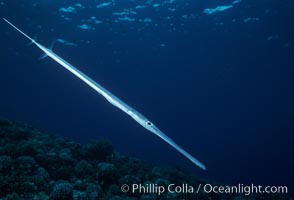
{"x":149,"y":123}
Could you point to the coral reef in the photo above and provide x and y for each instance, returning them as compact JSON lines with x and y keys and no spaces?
{"x":37,"y":165}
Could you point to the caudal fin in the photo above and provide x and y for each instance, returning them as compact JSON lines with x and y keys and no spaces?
{"x":33,"y":41}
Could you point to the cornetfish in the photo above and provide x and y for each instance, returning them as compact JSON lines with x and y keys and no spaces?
{"x":115,"y":101}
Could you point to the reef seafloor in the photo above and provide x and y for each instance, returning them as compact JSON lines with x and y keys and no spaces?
{"x":36,"y":165}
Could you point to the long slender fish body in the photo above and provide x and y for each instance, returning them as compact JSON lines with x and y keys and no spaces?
{"x":138,"y":117}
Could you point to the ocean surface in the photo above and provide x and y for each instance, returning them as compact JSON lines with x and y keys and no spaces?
{"x":214,"y":75}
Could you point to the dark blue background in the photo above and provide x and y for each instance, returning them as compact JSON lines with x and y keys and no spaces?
{"x":224,"y":93}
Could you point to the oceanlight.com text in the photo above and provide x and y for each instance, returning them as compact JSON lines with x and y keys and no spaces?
{"x":245,"y":189}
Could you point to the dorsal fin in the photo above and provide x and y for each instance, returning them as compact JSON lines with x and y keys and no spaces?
{"x":52,"y":45}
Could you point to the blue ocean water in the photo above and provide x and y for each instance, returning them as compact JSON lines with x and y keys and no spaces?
{"x":216,"y":76}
